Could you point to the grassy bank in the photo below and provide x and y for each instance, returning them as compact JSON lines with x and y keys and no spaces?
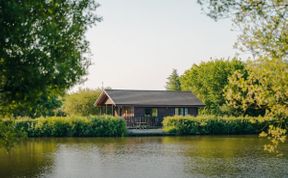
{"x":93,"y":126}
{"x":206,"y":125}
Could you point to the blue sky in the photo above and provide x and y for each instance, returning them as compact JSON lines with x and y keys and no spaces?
{"x":139,"y":42}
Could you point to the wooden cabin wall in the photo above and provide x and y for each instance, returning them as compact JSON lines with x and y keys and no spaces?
{"x":163,"y":111}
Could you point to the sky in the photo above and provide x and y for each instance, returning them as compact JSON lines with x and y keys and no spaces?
{"x":139,"y":42}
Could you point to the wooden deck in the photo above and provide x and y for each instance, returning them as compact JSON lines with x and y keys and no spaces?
{"x":143,"y":122}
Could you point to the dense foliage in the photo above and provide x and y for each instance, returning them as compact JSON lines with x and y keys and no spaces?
{"x":210,"y":124}
{"x":73,"y":126}
{"x":263,"y":24}
{"x":263,"y":87}
{"x":207,"y":81}
{"x":81,"y":102}
{"x":10,"y":134}
{"x":43,"y":52}
{"x":173,"y":83}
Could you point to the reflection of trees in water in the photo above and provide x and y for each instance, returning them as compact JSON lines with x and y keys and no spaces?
{"x":172,"y":156}
{"x":29,"y":159}
{"x":38,"y":157}
{"x":227,"y":156}
{"x":110,"y":145}
{"x":95,"y":156}
{"x":219,"y":156}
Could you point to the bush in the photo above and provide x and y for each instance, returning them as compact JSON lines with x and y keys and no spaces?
{"x":10,"y":135}
{"x":204,"y":125}
{"x":73,"y":126}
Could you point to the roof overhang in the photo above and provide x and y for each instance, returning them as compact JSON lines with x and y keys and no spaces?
{"x":102,"y":99}
{"x":161,"y":106}
{"x":141,"y":98}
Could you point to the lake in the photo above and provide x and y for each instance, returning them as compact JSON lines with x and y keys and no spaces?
{"x":143,"y":157}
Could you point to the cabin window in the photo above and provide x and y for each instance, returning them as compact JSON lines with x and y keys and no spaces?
{"x":151,"y":112}
{"x":148,"y":112}
{"x":127,"y":111}
{"x":181,"y":111}
{"x":154,"y":112}
{"x":177,"y":111}
{"x":186,"y":112}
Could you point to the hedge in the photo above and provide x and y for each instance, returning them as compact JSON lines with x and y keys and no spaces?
{"x":209,"y":125}
{"x":72,"y":126}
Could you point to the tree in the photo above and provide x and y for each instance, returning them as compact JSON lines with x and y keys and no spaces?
{"x":241,"y":94}
{"x":263,"y":24}
{"x":45,"y":105}
{"x":263,"y":88}
{"x":207,"y":81}
{"x":43,"y":51}
{"x":173,"y":83}
{"x":81,"y":102}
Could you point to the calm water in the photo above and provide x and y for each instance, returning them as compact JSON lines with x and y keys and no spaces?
{"x":169,"y":157}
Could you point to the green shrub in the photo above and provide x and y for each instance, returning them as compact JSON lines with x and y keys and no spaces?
{"x":209,"y":124}
{"x":10,"y":135}
{"x":73,"y":126}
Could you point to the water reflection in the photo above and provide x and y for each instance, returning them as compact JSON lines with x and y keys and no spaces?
{"x":30,"y":159}
{"x":198,"y":156}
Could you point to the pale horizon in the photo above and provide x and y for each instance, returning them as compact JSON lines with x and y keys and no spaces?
{"x":139,"y":42}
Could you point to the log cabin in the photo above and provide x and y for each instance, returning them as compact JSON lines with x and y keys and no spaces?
{"x":147,"y":107}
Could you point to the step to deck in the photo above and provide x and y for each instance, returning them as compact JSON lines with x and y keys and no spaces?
{"x":147,"y":132}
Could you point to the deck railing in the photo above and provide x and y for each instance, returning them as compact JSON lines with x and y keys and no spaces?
{"x":143,"y":122}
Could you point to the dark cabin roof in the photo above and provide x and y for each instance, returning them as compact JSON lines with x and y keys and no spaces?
{"x":148,"y":98}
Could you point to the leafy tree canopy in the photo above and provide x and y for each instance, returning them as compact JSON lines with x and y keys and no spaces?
{"x":173,"y":83}
{"x":264,"y":86}
{"x":43,"y":51}
{"x":81,"y":102}
{"x":207,"y":81}
{"x":263,"y":24}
